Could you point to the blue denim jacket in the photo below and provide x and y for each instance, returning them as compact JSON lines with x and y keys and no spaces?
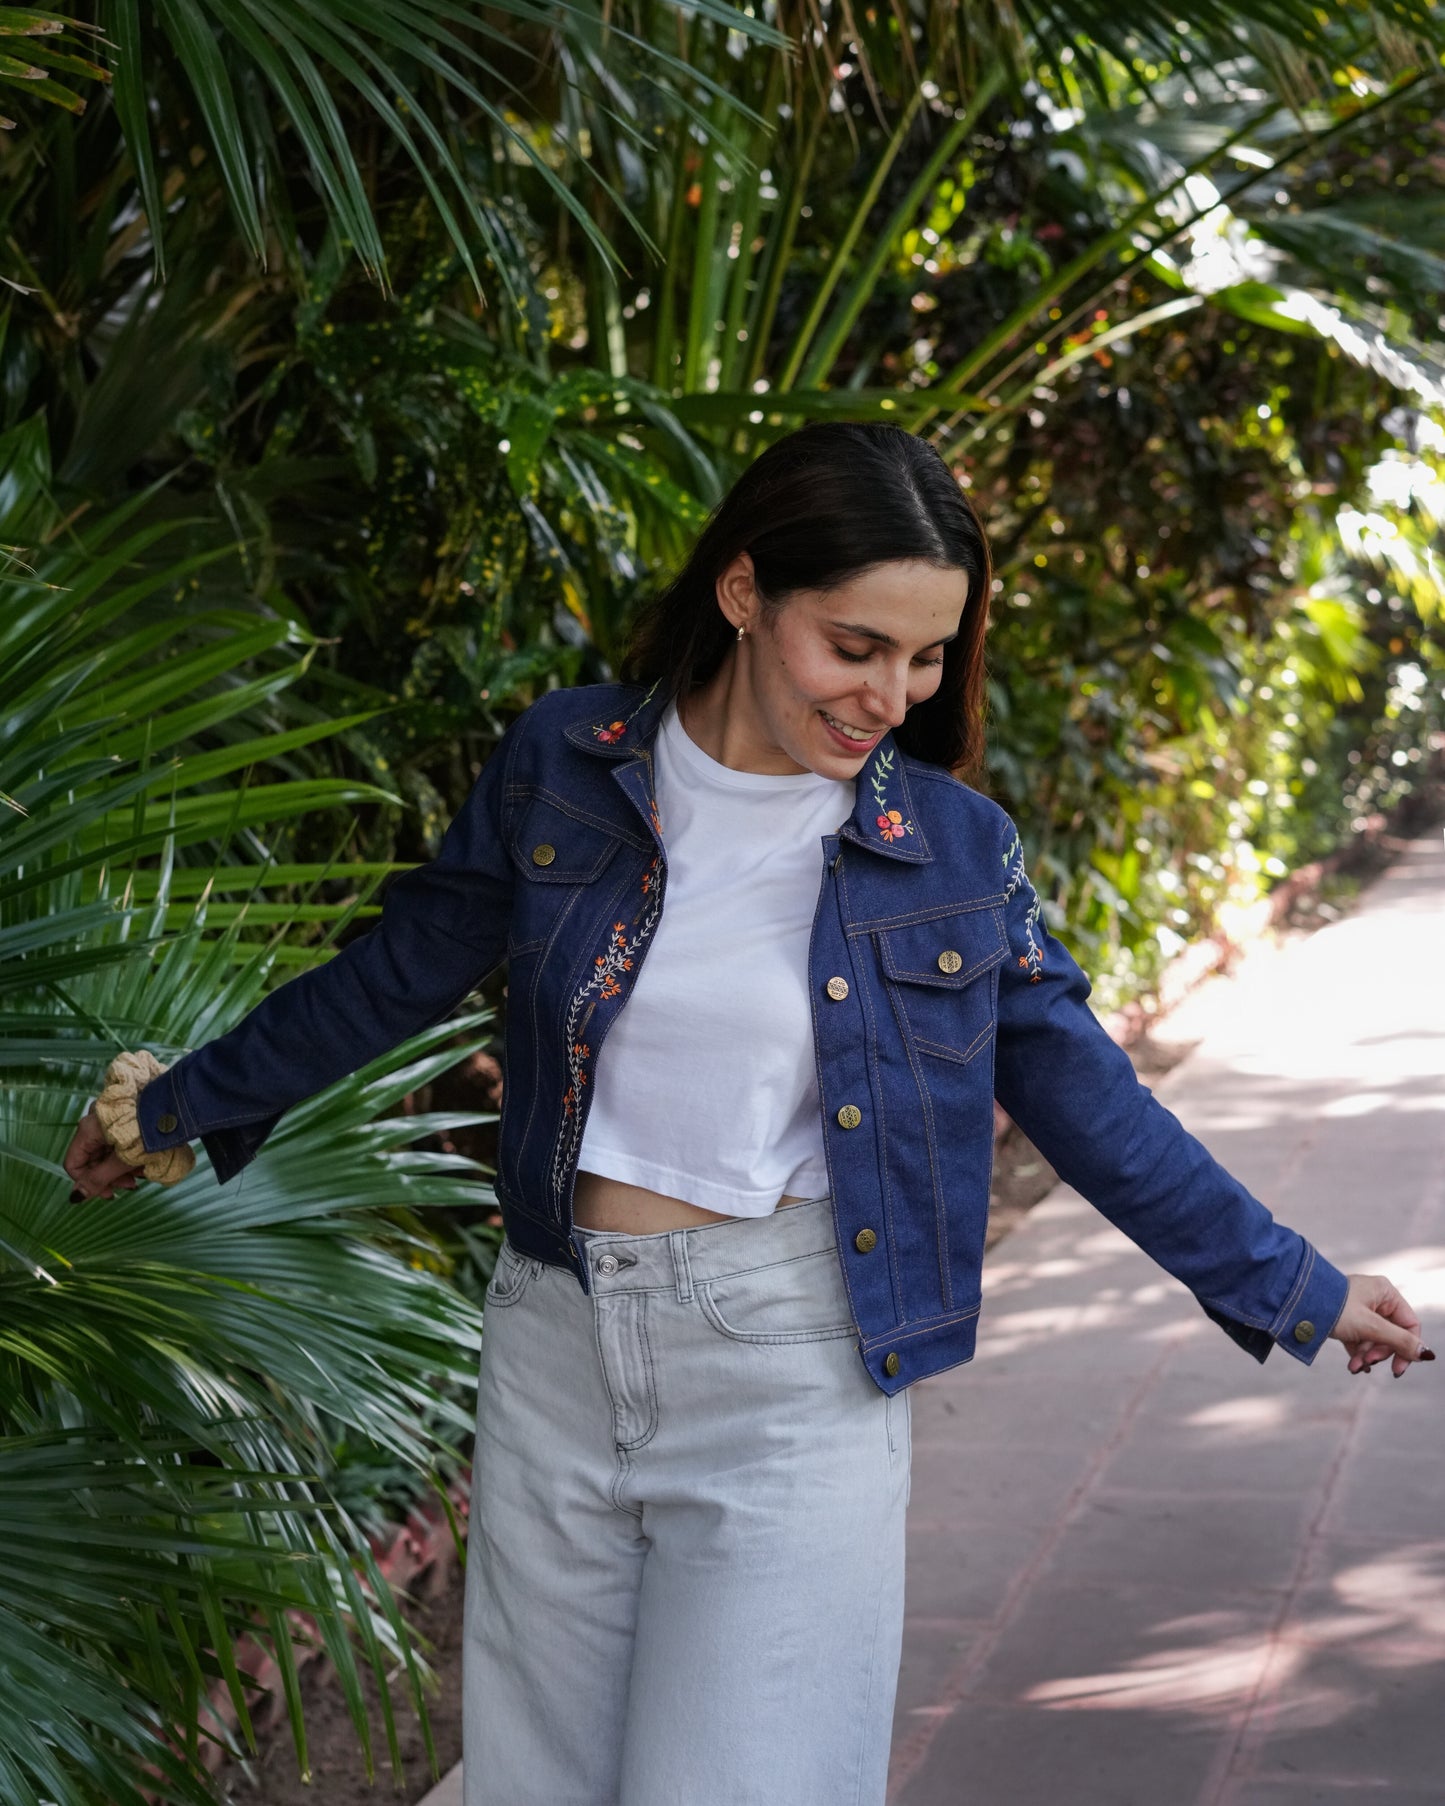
{"x":936,"y":987}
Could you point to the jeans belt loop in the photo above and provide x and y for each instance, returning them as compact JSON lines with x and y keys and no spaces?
{"x":681,"y":1266}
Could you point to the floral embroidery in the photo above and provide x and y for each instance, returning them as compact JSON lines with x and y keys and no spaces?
{"x":610,"y":732}
{"x":1031,"y":961}
{"x":609,"y":972}
{"x":891,"y":825}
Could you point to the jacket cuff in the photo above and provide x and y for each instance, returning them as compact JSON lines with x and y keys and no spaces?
{"x":1313,"y":1307}
{"x":162,"y":1115}
{"x":128,"y":1077}
{"x":1303,"y":1324}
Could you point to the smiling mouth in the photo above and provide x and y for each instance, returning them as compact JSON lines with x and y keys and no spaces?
{"x":850,"y":733}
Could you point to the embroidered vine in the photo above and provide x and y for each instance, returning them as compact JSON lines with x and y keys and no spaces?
{"x":891,"y":825}
{"x":1032,"y":960}
{"x":606,"y":981}
{"x":610,"y":732}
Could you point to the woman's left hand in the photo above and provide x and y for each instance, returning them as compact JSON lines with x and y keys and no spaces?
{"x":1376,"y":1322}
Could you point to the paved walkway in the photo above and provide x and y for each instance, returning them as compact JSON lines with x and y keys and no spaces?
{"x":1142,"y":1568}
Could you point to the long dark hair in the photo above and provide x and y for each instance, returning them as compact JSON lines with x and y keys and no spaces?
{"x":817,"y":507}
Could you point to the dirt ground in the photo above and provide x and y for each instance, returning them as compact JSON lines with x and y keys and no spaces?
{"x":338,"y":1774}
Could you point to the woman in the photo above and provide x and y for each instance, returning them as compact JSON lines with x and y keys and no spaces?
{"x":746,"y":1140}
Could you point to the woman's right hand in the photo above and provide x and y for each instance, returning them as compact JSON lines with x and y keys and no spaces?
{"x":94,"y":1164}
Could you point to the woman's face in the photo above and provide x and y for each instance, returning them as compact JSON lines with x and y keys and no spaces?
{"x":830,"y":672}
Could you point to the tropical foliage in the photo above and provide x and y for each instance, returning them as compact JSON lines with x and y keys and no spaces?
{"x":362,"y":363}
{"x":180,"y":1371}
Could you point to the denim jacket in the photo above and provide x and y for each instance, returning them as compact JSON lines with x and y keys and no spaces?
{"x":936,"y":987}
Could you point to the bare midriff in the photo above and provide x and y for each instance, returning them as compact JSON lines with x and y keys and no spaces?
{"x":600,"y":1203}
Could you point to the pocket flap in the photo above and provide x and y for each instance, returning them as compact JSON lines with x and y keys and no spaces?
{"x":949,"y":950}
{"x":550,"y":845}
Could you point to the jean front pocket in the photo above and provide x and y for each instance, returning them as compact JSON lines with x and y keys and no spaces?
{"x":797,"y":1300}
{"x":511,"y":1276}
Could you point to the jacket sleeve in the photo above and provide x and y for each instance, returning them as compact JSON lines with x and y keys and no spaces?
{"x":1075,"y":1094}
{"x":443,"y":927}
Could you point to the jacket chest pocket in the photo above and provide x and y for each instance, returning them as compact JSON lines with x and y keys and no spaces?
{"x":938,"y":976}
{"x":556,"y":854}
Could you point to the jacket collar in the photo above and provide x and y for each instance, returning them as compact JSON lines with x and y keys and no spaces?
{"x":882,"y":818}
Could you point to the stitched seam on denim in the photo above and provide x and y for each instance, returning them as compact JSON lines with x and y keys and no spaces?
{"x":565,"y":805}
{"x":535,"y":1089}
{"x":872,"y":1667}
{"x":960,"y":1057}
{"x":1307,"y":1267}
{"x":935,"y":980}
{"x":523,"y":861}
{"x":940,"y":1218}
{"x":620,"y":1447}
{"x":649,"y":1369}
{"x":567,"y":1145}
{"x":670,"y":1285}
{"x":619,"y":1479}
{"x":933,"y":913}
{"x":1233,"y":1311}
{"x":898,"y":851}
{"x":818,"y":1050}
{"x":880,"y":1151}
{"x":779,"y":1338}
{"x":681,"y":1265}
{"x":244,"y":1120}
{"x":765,"y":1266}
{"x":183,"y":1101}
{"x":617,"y":1442}
{"x":523,"y":1210}
{"x":515,"y":950}
{"x":526,"y":1272}
{"x":573,"y":902}
{"x":886,"y":1338}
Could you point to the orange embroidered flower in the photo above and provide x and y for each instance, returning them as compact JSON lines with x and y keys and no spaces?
{"x":891,"y":825}
{"x":613,"y":731}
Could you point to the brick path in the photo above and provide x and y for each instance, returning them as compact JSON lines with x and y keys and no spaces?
{"x":1144,"y":1569}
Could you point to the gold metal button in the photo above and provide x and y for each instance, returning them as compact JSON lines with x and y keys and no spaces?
{"x":1304,"y":1331}
{"x":865,"y":1241}
{"x":543,"y":855}
{"x":837,"y":863}
{"x":890,"y":1365}
{"x":849,"y":1116}
{"x":949,"y":961}
{"x":837,"y":989}
{"x":167,"y":1123}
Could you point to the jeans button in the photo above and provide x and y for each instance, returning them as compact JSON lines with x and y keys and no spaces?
{"x":607,"y":1265}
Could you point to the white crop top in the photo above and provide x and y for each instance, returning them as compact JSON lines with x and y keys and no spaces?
{"x":706,"y":1088}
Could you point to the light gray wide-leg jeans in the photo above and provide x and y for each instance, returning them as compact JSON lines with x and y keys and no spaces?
{"x":685,"y":1564}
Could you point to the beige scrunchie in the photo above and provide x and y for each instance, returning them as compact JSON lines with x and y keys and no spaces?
{"x":125,"y":1078}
